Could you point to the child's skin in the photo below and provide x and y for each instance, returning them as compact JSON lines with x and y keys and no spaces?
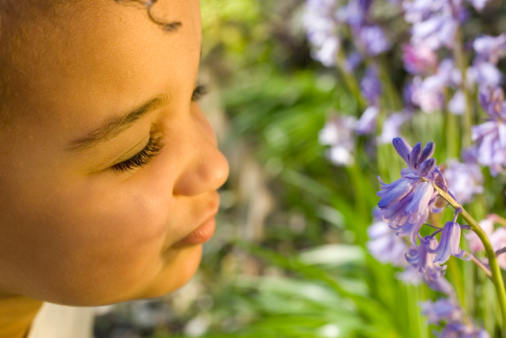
{"x":76,"y":228}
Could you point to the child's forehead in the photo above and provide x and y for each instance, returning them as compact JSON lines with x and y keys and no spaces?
{"x":102,"y":60}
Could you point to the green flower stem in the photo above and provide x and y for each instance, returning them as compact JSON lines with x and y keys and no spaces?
{"x":460,"y":58}
{"x":492,"y":260}
{"x":350,"y":82}
{"x":451,"y":132}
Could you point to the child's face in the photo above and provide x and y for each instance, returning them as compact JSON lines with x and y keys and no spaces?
{"x":80,"y":223}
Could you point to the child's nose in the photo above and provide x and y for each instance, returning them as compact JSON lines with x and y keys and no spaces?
{"x":207,"y":169}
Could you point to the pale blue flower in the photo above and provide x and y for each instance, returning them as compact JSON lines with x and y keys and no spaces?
{"x":490,"y":48}
{"x":373,"y":39}
{"x":490,"y":137}
{"x":385,"y":246}
{"x":406,"y":203}
{"x":443,"y":309}
{"x":367,"y":122}
{"x":392,"y":125}
{"x":339,"y":133}
{"x":371,"y":86}
{"x":449,"y":244}
{"x":322,"y":30}
{"x":464,"y":180}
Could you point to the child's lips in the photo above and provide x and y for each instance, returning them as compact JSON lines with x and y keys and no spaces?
{"x":201,"y":234}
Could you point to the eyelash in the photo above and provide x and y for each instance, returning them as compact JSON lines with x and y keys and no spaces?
{"x":154,"y":145}
{"x":199,"y":92}
{"x":141,"y":158}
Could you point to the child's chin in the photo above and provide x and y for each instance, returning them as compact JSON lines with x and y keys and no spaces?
{"x":177,"y":270}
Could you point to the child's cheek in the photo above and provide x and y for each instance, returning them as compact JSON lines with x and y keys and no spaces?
{"x":109,"y":242}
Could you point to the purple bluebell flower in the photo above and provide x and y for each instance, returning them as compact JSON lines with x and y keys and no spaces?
{"x":392,"y":125}
{"x":449,"y":244}
{"x":432,"y":272}
{"x":421,"y":258}
{"x":479,"y":4}
{"x":459,"y":330}
{"x":485,"y":74}
{"x":444,"y":309}
{"x":406,"y":203}
{"x":322,"y":30}
{"x":371,"y":86}
{"x":437,"y":31}
{"x":457,"y":104}
{"x":490,"y":48}
{"x":410,"y":276}
{"x":385,"y":246}
{"x":355,"y":13}
{"x":490,"y":137}
{"x":339,"y":133}
{"x":464,"y":180}
{"x":367,"y":122}
{"x":373,"y":39}
{"x":419,"y":59}
{"x":429,"y":92}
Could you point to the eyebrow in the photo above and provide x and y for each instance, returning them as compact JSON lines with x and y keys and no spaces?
{"x":116,"y":125}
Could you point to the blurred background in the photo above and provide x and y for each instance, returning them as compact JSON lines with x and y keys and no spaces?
{"x":288,"y":258}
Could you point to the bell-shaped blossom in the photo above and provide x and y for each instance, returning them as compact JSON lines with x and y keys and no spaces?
{"x":485,"y":74}
{"x":490,"y":137}
{"x":373,"y":40}
{"x":421,"y":258}
{"x":437,"y":31}
{"x":449,"y":244}
{"x":410,"y":276}
{"x":322,"y":30}
{"x":406,"y":203}
{"x":367,"y":122}
{"x":464,"y":180}
{"x":385,"y":246}
{"x":490,"y":48}
{"x":457,"y":104}
{"x":444,"y":309}
{"x":371,"y":86}
{"x":461,"y":330}
{"x":428,"y":93}
{"x":478,"y":4}
{"x":392,"y":125}
{"x":339,"y":133}
{"x":419,"y":59}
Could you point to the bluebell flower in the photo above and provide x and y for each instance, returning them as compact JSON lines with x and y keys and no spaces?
{"x":367,"y":122}
{"x":490,"y":48}
{"x":385,"y":246}
{"x":444,"y":309}
{"x":371,"y":86}
{"x":406,"y":203}
{"x":322,"y":30}
{"x":460,"y":330}
{"x":490,"y":137}
{"x":339,"y":133}
{"x":373,"y":39}
{"x":449,"y":244}
{"x":391,"y":126}
{"x":464,"y":180}
{"x":421,"y":258}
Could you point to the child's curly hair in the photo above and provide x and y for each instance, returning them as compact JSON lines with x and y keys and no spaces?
{"x":148,"y":4}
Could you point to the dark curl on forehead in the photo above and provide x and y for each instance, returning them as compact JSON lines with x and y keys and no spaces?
{"x":148,"y":4}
